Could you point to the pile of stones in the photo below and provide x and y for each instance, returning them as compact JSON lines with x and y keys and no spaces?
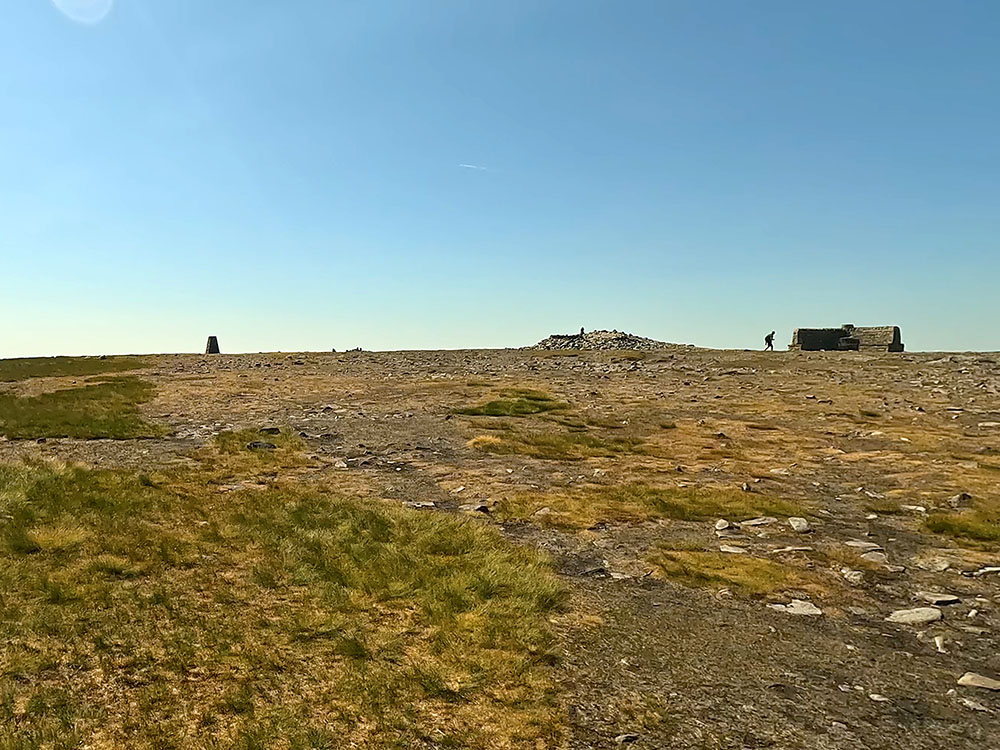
{"x":600,"y":340}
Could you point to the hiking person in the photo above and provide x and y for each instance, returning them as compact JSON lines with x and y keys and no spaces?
{"x":769,"y":342}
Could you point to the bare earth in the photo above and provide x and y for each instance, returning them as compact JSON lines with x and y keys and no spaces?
{"x":868,"y":446}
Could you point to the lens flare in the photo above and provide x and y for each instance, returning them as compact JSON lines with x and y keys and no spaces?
{"x":85,"y":11}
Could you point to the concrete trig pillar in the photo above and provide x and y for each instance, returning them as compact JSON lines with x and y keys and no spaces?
{"x":212,"y":347}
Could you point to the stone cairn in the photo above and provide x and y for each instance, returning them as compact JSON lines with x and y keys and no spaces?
{"x":601,"y":340}
{"x":212,"y":347}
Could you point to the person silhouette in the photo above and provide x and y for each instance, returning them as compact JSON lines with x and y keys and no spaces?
{"x":769,"y":342}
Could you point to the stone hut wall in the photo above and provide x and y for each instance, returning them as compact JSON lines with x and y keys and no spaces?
{"x":847,"y":338}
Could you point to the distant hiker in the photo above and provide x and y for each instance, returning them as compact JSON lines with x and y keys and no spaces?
{"x":581,"y":330}
{"x":769,"y":342}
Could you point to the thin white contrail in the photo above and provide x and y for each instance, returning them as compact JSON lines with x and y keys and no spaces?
{"x":473,"y":166}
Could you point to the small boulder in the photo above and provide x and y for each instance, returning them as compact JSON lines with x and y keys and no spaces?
{"x":261,"y":445}
{"x":799,"y":525}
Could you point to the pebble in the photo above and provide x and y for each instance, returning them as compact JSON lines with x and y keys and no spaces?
{"x":626,"y":739}
{"x":916,"y":616}
{"x":721,"y":524}
{"x":799,"y":525}
{"x":732,"y":550}
{"x":798,"y":607}
{"x":971,"y":679}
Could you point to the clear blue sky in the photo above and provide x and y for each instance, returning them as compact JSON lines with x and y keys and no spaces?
{"x":288,"y":175}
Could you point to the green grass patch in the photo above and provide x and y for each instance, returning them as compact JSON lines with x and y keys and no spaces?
{"x":977,"y":527}
{"x":156,"y":612}
{"x":12,"y":370}
{"x":105,"y":408}
{"x":743,"y":573}
{"x":571,"y":446}
{"x":519,"y":402}
{"x":638,"y":502}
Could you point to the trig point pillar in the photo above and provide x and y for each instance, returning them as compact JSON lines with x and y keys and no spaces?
{"x":212,"y":347}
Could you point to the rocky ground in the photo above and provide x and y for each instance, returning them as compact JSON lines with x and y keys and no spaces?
{"x":867,"y":648}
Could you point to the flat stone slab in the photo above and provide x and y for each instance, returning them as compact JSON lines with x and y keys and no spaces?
{"x":937,"y":599}
{"x":971,"y":679}
{"x":798,"y":607}
{"x":917,"y":616}
{"x":761,"y":521}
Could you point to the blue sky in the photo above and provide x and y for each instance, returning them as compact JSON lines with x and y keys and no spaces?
{"x":288,"y":176}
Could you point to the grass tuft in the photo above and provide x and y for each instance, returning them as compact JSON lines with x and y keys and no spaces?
{"x":571,"y":446}
{"x":978,"y":527}
{"x":638,"y":502}
{"x":744,"y":573}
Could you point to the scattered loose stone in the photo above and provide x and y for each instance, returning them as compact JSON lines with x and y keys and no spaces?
{"x":626,"y":739}
{"x":732,"y":550}
{"x":878,"y":698}
{"x":960,"y":500}
{"x":938,"y":599}
{"x":722,"y":524}
{"x":971,"y":679}
{"x":916,"y":616}
{"x":270,"y":430}
{"x":974,"y":705}
{"x":859,"y":544}
{"x":876,"y":557}
{"x":798,"y":607}
{"x":260,"y":445}
{"x":853,"y":577}
{"x":782,"y":550}
{"x":799,"y":525}
{"x":474,"y":508}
